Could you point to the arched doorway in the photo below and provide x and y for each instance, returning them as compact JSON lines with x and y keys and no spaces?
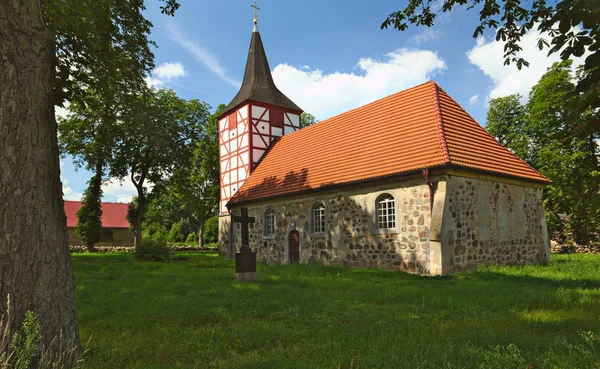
{"x":294,"y":247}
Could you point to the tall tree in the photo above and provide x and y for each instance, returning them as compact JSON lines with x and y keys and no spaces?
{"x":90,"y":131}
{"x":199,"y":185}
{"x":35,"y":265}
{"x":44,"y":55}
{"x":540,"y":133}
{"x":158,"y":132}
{"x":572,"y":25}
{"x":506,"y":120}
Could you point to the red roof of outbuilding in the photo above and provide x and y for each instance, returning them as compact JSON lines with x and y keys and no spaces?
{"x":421,"y":127}
{"x":114,"y":214}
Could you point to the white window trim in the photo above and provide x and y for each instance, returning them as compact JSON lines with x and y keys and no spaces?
{"x":312,"y":216}
{"x":375,"y":219}
{"x":269,"y":236}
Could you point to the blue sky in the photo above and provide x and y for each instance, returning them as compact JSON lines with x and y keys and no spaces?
{"x":327,"y":56}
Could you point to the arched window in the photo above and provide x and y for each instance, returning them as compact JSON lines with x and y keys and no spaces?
{"x":318,"y":218}
{"x":269,"y":229}
{"x":386,"y":211}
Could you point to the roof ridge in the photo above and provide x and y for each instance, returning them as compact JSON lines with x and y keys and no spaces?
{"x":440,"y":124}
{"x":487,"y":133}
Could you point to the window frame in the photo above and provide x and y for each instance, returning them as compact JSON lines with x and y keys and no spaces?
{"x":313,"y":219}
{"x":266,"y":214}
{"x":376,"y":208}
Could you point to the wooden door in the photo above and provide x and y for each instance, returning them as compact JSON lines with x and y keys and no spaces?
{"x":294,"y":247}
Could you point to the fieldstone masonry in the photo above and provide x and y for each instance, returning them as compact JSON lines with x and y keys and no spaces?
{"x":491,"y":222}
{"x":351,"y":237}
{"x":472,"y":221}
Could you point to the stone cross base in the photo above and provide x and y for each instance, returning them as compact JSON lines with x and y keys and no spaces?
{"x":246,"y":277}
{"x":245,"y":266}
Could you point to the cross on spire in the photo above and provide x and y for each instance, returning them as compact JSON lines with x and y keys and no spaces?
{"x":255,"y":9}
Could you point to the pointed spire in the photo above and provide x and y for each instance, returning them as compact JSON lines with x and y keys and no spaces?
{"x":258,"y":84}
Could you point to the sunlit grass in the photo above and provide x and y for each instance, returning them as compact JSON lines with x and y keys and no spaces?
{"x":191,"y":314}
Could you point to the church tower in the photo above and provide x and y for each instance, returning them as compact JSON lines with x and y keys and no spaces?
{"x":256,"y":116}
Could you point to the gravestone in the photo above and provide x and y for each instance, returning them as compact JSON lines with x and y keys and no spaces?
{"x":245,"y":260}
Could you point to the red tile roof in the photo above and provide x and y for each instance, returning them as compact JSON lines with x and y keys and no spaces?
{"x":114,"y":214}
{"x":421,"y":127}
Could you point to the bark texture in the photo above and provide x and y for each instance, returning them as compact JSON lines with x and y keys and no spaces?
{"x":35,"y":265}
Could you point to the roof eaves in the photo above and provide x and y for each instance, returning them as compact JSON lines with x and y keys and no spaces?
{"x":440,"y":124}
{"x":406,"y":173}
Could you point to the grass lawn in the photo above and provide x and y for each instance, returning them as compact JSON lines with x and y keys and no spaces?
{"x":191,"y":314}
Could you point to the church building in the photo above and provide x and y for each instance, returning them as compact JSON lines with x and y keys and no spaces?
{"x":410,"y":182}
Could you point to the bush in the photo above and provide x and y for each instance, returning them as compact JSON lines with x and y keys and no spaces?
{"x":152,"y":250}
{"x":175,"y":234}
{"x":211,"y":230}
{"x":192,"y":239}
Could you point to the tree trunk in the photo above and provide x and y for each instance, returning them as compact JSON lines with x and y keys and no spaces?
{"x":35,"y":264}
{"x":137,"y":226}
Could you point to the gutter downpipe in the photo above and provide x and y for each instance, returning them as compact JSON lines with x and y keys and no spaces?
{"x":230,"y":232}
{"x":428,"y":248}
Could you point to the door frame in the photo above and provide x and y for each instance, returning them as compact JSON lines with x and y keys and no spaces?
{"x":287,"y":246}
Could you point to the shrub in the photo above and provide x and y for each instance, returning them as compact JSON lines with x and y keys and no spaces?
{"x":211,"y":229}
{"x":192,"y":239}
{"x":175,"y":234}
{"x":152,"y":250}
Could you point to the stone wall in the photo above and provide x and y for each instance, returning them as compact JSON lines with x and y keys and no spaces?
{"x":109,"y":236}
{"x":491,"y":222}
{"x":351,"y":237}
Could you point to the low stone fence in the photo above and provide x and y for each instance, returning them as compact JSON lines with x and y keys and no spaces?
{"x":80,"y":248}
{"x":571,"y":249}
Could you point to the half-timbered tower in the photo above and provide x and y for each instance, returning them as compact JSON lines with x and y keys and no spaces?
{"x":256,"y":116}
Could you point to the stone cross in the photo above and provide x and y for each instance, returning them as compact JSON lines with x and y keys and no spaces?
{"x":245,"y":220}
{"x":255,"y":9}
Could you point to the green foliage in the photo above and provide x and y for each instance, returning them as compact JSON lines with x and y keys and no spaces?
{"x":192,"y":239}
{"x":152,"y":250}
{"x":187,"y":228}
{"x":211,"y":230}
{"x":175,"y":234}
{"x":197,"y":185}
{"x":24,"y":350}
{"x":315,"y":316}
{"x":513,"y":19}
{"x":160,"y":131}
{"x":307,"y":119}
{"x":89,"y":216}
{"x":540,"y":132}
{"x":25,"y":345}
{"x":506,"y":120}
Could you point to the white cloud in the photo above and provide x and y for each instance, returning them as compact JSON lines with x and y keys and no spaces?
{"x":427,"y":36}
{"x":325,"y":95}
{"x":473,"y":99}
{"x":154,"y":82}
{"x":169,"y":71}
{"x":209,"y":60}
{"x":69,"y":194}
{"x":507,"y":79}
{"x":122,"y":191}
{"x":166,"y":72}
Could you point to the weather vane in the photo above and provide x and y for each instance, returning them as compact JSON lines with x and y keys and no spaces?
{"x":255,"y":9}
